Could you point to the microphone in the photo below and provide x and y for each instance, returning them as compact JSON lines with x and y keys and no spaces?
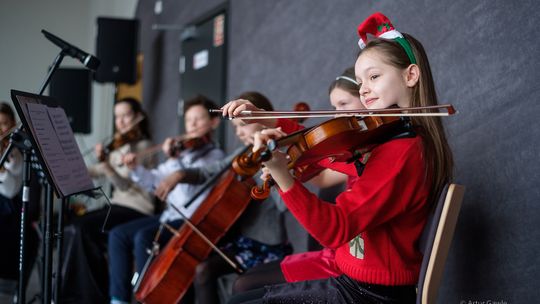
{"x":88,"y":60}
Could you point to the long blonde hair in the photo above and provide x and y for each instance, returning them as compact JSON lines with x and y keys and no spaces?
{"x":437,"y":153}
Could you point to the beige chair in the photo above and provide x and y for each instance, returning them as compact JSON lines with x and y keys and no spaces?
{"x":436,"y":240}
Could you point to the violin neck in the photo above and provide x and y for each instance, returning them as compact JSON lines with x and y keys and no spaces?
{"x":149,"y":151}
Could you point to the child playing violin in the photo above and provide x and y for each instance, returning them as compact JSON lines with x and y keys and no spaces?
{"x":11,"y":180}
{"x":257,"y":237}
{"x":85,"y":276}
{"x":137,"y":236}
{"x":375,"y":225}
{"x":11,"y":171}
{"x":343,"y":95}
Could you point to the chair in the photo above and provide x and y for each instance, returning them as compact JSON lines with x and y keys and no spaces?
{"x":435,"y":242}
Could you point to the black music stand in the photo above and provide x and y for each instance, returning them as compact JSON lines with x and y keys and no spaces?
{"x":49,"y":134}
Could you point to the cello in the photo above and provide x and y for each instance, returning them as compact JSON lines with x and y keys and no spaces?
{"x":171,"y":273}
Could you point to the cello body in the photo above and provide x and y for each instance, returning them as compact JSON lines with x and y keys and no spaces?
{"x":171,"y":273}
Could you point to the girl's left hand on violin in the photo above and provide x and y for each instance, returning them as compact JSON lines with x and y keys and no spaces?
{"x":130,"y":160}
{"x":265,"y":174}
{"x":99,"y":151}
{"x":261,"y":138}
{"x":278,"y":164}
{"x":168,"y":147}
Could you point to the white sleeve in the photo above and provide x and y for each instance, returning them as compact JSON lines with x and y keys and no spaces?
{"x":149,"y":179}
{"x":143,"y":177}
{"x":11,"y":177}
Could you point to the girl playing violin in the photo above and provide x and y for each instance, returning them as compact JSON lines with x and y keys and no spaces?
{"x":137,"y":236}
{"x":258,"y":236}
{"x":85,"y":265}
{"x":11,"y":172}
{"x":343,"y":95}
{"x":375,"y":225}
{"x":11,"y":179}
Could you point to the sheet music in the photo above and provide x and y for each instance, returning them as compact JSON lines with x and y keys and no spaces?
{"x":59,"y":149}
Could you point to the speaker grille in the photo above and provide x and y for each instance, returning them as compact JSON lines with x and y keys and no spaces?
{"x":117,"y":44}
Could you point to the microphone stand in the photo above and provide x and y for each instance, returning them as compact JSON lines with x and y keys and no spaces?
{"x":48,"y":211}
{"x":56,"y":63}
{"x":19,"y":139}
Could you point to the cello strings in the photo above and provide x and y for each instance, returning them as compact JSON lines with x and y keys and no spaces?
{"x":216,"y":249}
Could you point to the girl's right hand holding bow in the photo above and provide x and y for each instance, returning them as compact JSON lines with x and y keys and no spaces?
{"x":234,"y":109}
{"x":99,"y":151}
{"x":130,"y":160}
{"x":167,"y":147}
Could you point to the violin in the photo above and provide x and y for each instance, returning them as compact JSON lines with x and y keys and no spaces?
{"x":337,"y":139}
{"x":121,"y":138}
{"x":4,"y":137}
{"x":4,"y":142}
{"x":118,"y":141}
{"x":180,"y":144}
{"x":243,"y":164}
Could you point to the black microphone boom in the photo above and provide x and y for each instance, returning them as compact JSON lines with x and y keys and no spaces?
{"x":88,"y":60}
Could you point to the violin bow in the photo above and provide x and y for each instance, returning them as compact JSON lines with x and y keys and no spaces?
{"x":404,"y":112}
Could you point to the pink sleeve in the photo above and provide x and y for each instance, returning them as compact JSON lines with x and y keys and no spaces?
{"x":288,"y":126}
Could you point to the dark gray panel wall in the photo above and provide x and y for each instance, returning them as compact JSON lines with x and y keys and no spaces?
{"x":161,"y":49}
{"x":484,"y":58}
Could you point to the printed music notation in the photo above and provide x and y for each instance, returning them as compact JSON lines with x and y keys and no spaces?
{"x":59,"y":149}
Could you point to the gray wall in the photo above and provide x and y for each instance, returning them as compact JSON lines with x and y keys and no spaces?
{"x":25,"y":54}
{"x":483,"y":58}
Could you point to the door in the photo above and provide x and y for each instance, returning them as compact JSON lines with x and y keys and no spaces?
{"x":203,"y":62}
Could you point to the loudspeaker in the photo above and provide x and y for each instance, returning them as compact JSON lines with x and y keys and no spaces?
{"x":117,"y":44}
{"x":72,"y":88}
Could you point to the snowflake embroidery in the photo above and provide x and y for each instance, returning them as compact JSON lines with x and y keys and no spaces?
{"x":356,"y":247}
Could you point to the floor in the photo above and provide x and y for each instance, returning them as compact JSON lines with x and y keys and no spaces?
{"x":8,"y":289}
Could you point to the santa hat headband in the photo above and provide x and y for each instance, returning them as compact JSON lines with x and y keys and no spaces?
{"x":380,"y":26}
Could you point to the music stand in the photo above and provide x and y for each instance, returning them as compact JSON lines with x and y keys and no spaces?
{"x":49,"y":133}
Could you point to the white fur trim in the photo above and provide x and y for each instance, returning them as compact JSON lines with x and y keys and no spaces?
{"x":391,"y":35}
{"x":361,"y":43}
{"x":386,"y":35}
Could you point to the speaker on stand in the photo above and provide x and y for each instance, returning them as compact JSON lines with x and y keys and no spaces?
{"x":117,"y":45}
{"x":72,"y":88}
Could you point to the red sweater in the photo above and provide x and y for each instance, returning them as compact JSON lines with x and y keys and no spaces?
{"x":375,"y":225}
